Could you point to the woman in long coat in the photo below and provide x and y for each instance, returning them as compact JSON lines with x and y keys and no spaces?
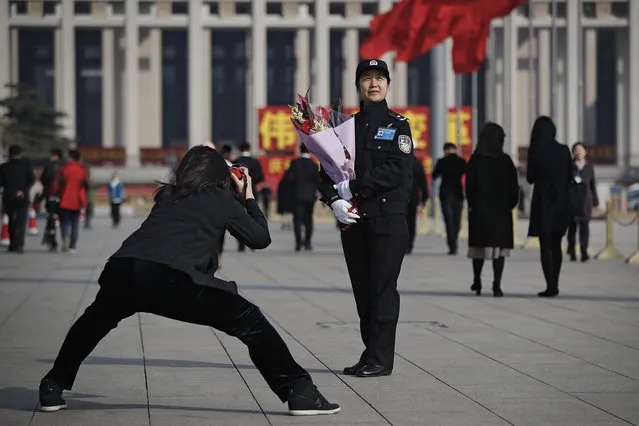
{"x":550,"y":169}
{"x":586,"y":188}
{"x":492,"y":191}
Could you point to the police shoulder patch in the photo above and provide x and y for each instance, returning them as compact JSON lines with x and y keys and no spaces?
{"x":397,"y":116}
{"x":405,"y":144}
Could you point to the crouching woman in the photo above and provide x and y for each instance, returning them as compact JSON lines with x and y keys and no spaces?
{"x":167,"y":266}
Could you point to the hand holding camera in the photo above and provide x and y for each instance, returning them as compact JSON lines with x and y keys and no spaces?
{"x":242,"y":180}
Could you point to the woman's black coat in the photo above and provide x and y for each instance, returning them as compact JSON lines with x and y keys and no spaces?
{"x":492,"y":191}
{"x":550,"y":170}
{"x":185,"y":235}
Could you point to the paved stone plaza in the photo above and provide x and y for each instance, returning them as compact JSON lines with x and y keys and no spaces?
{"x":460,"y":359}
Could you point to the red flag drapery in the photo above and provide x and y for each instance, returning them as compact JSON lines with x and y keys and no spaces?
{"x":414,"y":27}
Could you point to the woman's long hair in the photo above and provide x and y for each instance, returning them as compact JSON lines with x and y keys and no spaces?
{"x":201,"y":168}
{"x":491,"y":140}
{"x":543,"y":133}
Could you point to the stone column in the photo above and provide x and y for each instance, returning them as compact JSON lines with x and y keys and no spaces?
{"x":633,"y":110}
{"x":560,"y":90}
{"x":108,"y":87}
{"x":384,"y":6}
{"x":150,"y":84}
{"x":622,"y":82}
{"x":544,"y":82}
{"x":450,"y":76}
{"x":66,"y":78}
{"x":590,"y":86}
{"x":321,"y":65}
{"x":511,"y":98}
{"x":195,"y":66}
{"x":5,"y":52}
{"x":258,"y":69}
{"x":500,"y":67}
{"x":302,"y":49}
{"x":573,"y":70}
{"x":350,"y":49}
{"x":131,"y":91}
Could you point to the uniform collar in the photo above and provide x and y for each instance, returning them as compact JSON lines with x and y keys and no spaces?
{"x":375,"y":110}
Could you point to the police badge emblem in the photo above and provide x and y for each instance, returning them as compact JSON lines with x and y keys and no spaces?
{"x":405,"y":144}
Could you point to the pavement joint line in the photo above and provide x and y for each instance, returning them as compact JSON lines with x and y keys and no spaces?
{"x":21,"y":304}
{"x":445,"y":383}
{"x":551,"y":303}
{"x":274,"y":281}
{"x":529,"y":339}
{"x":328,"y":368}
{"x":146,"y":376}
{"x":531,"y":377}
{"x":241,"y":375}
{"x":546,"y":321}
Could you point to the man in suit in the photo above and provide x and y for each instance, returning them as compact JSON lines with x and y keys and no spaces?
{"x":451,"y":168}
{"x":255,"y":170}
{"x":418,"y":196}
{"x":304,"y":173}
{"x":16,"y":179}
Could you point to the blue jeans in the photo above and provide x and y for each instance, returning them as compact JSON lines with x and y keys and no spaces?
{"x":69,"y":219}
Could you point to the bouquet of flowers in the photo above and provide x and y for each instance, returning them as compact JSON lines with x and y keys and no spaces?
{"x":329,"y":135}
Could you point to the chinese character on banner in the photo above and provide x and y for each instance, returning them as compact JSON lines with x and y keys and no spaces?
{"x":276,"y":132}
{"x":418,"y":121}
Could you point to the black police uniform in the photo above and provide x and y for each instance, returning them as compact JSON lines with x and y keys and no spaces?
{"x":375,"y":246}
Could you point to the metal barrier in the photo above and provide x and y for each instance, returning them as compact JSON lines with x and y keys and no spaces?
{"x":609,"y":251}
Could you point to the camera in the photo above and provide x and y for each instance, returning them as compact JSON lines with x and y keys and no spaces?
{"x":237,"y":171}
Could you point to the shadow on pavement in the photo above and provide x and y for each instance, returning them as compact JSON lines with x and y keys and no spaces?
{"x":170,"y":363}
{"x":24,"y":399}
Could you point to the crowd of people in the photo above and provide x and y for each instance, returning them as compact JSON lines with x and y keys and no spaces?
{"x":66,"y":194}
{"x":167,"y":266}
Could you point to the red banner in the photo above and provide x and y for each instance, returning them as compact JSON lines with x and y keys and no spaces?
{"x":162,"y":156}
{"x":99,"y":156}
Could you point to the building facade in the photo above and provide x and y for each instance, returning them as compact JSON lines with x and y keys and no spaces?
{"x":143,"y":74}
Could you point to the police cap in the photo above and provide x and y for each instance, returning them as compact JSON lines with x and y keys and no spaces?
{"x":371,"y":64}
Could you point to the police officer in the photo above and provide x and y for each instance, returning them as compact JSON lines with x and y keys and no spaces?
{"x":375,"y":243}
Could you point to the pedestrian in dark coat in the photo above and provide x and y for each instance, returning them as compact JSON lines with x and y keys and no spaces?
{"x":286,"y":199}
{"x":550,"y":169}
{"x":585,"y":190}
{"x":492,"y":191}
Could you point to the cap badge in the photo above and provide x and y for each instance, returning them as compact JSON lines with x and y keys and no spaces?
{"x":372,"y":63}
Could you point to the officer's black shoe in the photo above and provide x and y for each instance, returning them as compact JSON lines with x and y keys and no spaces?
{"x":51,"y":396}
{"x":310,"y":402}
{"x":548,"y":293}
{"x":353,"y":369}
{"x":374,"y":371}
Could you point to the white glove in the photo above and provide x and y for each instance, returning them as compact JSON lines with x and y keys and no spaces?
{"x":344,"y":190}
{"x":340,"y":209}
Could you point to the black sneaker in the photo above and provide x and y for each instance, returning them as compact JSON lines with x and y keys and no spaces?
{"x":51,"y":396}
{"x":310,"y":402}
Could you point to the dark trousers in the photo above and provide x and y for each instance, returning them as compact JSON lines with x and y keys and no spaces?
{"x":452,"y":211}
{"x":115,"y":213}
{"x":411,"y":220}
{"x":584,"y":236}
{"x":69,"y":224}
{"x":374,"y":250}
{"x":551,"y":258}
{"x":303,"y":216}
{"x":50,"y":232}
{"x":18,"y":215}
{"x":132,"y":286}
{"x":88,"y":215}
